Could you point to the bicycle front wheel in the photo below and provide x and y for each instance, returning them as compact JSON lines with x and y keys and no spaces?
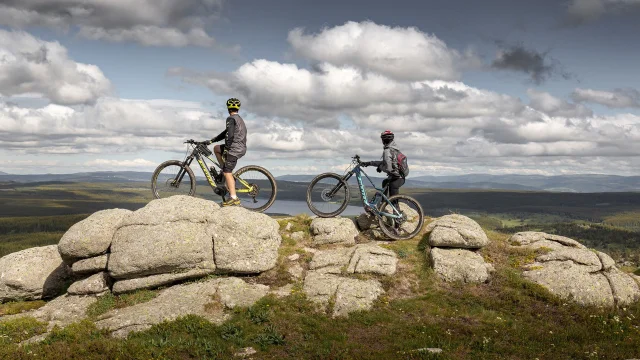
{"x":173,"y":178}
{"x":408,"y":224}
{"x":255,"y":187}
{"x":327,"y":195}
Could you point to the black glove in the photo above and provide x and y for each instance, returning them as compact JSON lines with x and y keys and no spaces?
{"x":365,"y":163}
{"x":207,"y":142}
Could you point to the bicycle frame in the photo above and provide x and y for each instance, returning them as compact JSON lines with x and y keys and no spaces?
{"x":357,"y":171}
{"x":199,"y":156}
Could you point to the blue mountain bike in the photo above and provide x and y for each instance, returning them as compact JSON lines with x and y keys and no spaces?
{"x":399,"y":216}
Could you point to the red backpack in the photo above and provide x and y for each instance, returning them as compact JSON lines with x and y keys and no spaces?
{"x":403,"y":165}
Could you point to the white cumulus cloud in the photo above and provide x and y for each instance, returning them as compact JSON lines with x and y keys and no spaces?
{"x":30,"y":65}
{"x":396,"y":52}
{"x":618,"y":98}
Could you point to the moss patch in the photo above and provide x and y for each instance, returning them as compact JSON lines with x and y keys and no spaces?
{"x":20,"y":329}
{"x":109,"y":301}
{"x":17,"y":307}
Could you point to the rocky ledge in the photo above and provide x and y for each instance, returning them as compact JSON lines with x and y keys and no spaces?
{"x":574,"y":272}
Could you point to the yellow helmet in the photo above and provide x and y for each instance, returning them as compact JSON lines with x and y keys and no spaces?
{"x":233,"y":103}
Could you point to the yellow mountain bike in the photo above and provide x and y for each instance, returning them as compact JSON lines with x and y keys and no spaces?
{"x":255,"y":186}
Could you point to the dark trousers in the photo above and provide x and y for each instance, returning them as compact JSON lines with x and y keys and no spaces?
{"x":394,"y":186}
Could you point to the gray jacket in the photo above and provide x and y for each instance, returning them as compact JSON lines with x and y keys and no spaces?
{"x":235,"y":136}
{"x":388,"y":164}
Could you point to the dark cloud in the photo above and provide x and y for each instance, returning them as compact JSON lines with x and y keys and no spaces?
{"x":581,"y":12}
{"x":538,"y":65}
{"x":152,"y":23}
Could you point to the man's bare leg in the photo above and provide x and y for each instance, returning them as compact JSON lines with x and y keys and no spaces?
{"x":231,"y":184}
{"x":216,"y":150}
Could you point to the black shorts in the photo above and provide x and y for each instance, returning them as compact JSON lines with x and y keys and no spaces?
{"x":229,"y":162}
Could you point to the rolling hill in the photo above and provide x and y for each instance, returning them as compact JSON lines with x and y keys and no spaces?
{"x":585,"y":183}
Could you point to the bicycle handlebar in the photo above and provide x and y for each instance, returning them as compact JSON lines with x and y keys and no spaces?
{"x":193,"y":142}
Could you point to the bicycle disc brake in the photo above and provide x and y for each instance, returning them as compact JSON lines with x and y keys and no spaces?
{"x":325,"y":195}
{"x":173,"y":183}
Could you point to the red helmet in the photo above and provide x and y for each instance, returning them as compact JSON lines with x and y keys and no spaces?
{"x":387,"y":135}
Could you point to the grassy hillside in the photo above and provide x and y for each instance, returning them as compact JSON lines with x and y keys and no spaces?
{"x":507,"y":318}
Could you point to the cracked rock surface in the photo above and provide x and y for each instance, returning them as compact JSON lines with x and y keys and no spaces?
{"x":453,"y":253}
{"x":573,"y":272}
{"x":359,"y":259}
{"x":323,"y":282}
{"x":181,"y":300}
{"x":459,"y":265}
{"x":336,"y":230}
{"x":349,"y":294}
{"x":32,"y":274}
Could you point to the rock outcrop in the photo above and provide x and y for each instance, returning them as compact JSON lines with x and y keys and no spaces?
{"x":456,"y":231}
{"x":96,"y":284}
{"x":91,"y":236}
{"x":454,"y":242}
{"x":573,"y":272}
{"x":167,"y":241}
{"x":142,"y":250}
{"x":32,"y":274}
{"x":459,"y":265}
{"x":181,"y":300}
{"x":208,"y":299}
{"x":359,"y":259}
{"x":91,"y":265}
{"x":350,"y":294}
{"x":327,"y":277}
{"x":166,"y":236}
{"x":333,"y":231}
{"x":244,"y":242}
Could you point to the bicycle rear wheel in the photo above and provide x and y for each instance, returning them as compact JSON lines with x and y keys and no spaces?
{"x":255,"y":187}
{"x":409,"y":225}
{"x":327,"y":195}
{"x":173,"y":178}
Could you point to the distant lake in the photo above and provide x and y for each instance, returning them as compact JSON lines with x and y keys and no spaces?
{"x":295,"y":207}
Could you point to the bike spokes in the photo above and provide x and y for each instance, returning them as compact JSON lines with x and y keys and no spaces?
{"x":327,"y":195}
{"x":255,"y":187}
{"x":170,"y":180}
{"x":401,"y":217}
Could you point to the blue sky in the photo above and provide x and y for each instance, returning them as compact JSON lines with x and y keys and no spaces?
{"x":545,"y":87}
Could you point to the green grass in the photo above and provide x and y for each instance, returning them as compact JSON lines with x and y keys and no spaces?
{"x":15,"y":242}
{"x":507,"y":318}
{"x":12,"y":225}
{"x":16,"y":307}
{"x":298,"y":223}
{"x":629,"y":220}
{"x":17,"y":330}
{"x":109,"y":301}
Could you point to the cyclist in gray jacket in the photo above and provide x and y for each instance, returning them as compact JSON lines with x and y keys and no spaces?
{"x":388,"y":164}
{"x":235,"y":147}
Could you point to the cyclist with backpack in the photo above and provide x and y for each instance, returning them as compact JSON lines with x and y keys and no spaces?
{"x":393,"y":163}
